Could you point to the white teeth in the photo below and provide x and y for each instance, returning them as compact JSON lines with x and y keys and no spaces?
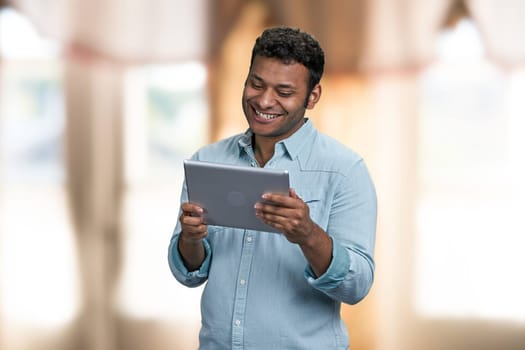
{"x":267,"y":116}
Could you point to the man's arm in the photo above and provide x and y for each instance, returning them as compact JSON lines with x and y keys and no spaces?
{"x":344,"y":272}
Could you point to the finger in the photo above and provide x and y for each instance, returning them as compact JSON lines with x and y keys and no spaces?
{"x":191,"y":220}
{"x":293,"y":194}
{"x":281,"y":205}
{"x":279,"y":200}
{"x":284,"y":226}
{"x":192,"y":208}
{"x":198,"y":230}
{"x":278,"y":215}
{"x":284,"y":220}
{"x":268,"y":210}
{"x":194,"y":227}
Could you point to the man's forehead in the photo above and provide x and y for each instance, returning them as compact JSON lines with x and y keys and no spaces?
{"x":265,"y":67}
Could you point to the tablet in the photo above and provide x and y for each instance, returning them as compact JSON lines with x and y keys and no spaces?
{"x":228,"y":193}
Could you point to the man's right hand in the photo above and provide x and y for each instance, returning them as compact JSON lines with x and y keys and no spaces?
{"x":194,"y":230}
{"x":192,"y":223}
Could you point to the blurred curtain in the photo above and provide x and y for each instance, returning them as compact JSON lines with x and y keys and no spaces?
{"x":501,"y":25}
{"x":95,"y":182}
{"x":128,"y":31}
{"x":374,"y":49}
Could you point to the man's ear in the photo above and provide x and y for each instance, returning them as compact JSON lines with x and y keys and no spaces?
{"x":314,"y":97}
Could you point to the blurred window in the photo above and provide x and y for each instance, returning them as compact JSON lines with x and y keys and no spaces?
{"x":166,"y":121}
{"x":37,"y":262}
{"x":471,"y":170}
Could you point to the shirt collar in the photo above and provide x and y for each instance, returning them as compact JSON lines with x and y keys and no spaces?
{"x":292,"y":144}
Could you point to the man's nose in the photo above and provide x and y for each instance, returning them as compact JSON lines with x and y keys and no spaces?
{"x":266,"y":98}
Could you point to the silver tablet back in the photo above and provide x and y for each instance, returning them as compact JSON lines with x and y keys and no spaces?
{"x":228,"y":193}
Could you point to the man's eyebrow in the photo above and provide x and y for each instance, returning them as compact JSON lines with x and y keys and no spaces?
{"x":286,"y":86}
{"x":256,"y":77}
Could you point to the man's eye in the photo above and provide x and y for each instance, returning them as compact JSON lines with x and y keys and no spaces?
{"x":256,"y":86}
{"x":285,"y":93}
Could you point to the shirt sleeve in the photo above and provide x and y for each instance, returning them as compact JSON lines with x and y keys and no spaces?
{"x":352,"y":227}
{"x":176,"y":264}
{"x":179,"y":270}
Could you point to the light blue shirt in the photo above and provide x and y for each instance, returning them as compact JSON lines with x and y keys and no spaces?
{"x":260,"y":292}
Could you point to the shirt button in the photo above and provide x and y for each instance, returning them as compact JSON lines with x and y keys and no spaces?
{"x":237,"y":322}
{"x":243,"y":282}
{"x":249,"y":239}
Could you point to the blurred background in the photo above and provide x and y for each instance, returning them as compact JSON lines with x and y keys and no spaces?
{"x":100,"y":101}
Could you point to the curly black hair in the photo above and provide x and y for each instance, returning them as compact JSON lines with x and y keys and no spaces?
{"x":291,"y":45}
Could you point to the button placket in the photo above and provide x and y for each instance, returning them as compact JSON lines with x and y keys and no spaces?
{"x":241,"y":291}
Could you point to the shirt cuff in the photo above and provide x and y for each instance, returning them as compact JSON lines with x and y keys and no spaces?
{"x":176,"y":262}
{"x":336,"y":272}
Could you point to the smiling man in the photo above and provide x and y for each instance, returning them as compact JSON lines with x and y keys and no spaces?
{"x":282,"y":291}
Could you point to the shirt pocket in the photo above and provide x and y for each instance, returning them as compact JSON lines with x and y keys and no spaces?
{"x":314,"y":199}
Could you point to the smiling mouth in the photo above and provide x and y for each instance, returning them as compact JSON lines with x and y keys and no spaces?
{"x":267,"y":116}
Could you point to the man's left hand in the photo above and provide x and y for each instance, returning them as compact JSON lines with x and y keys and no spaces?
{"x":287,"y":213}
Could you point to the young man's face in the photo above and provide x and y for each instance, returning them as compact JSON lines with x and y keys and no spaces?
{"x":274,"y":97}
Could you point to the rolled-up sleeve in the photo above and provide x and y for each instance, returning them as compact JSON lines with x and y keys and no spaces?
{"x":336,"y":272}
{"x":179,"y":270}
{"x":352,"y":227}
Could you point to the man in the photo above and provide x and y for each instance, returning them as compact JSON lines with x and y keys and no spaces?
{"x":282,"y":291}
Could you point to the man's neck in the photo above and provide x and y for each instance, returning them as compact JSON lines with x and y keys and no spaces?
{"x":263,"y":149}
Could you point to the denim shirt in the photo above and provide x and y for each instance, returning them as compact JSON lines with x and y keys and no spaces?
{"x":260,"y":292}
